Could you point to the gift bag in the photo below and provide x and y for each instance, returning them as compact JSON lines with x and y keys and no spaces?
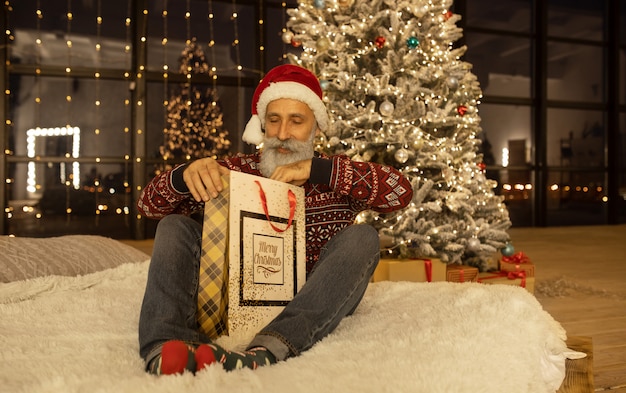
{"x":264,"y":258}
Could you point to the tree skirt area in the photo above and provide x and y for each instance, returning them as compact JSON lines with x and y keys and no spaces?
{"x":79,"y":334}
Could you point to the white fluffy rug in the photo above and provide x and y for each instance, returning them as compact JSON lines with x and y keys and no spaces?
{"x":79,"y":334}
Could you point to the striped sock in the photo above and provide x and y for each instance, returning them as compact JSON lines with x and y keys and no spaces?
{"x":208,"y":354}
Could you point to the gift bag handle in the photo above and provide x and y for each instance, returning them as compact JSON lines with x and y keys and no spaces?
{"x":292,"y":207}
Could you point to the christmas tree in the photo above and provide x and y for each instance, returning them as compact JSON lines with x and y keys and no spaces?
{"x":399,"y":94}
{"x":194,"y":126}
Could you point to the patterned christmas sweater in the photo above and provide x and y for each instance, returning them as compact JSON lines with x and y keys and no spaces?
{"x":336,"y":192}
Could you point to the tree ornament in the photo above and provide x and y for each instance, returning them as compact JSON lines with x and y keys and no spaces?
{"x":508,"y":250}
{"x":482,"y":166}
{"x":287,"y":37}
{"x":401,"y":155}
{"x":319,"y":4}
{"x":334,"y":141}
{"x":296,"y":44}
{"x":448,"y":15}
{"x":412,"y":42}
{"x":473,"y":244}
{"x":345,"y":3}
{"x":324,"y":84}
{"x":462,"y":110}
{"x":386,"y":108}
{"x":322,"y":44}
{"x":380,"y":41}
{"x":453,"y":83}
{"x":418,"y":144}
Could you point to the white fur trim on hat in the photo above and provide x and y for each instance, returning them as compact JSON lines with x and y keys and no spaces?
{"x":253,"y":132}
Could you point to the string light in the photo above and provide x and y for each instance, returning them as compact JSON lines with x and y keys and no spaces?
{"x":97,"y":122}
{"x":235,"y":20}
{"x":68,"y":99}
{"x":164,"y":42}
{"x":8,"y":210}
{"x":127,"y":126}
{"x":211,"y":44}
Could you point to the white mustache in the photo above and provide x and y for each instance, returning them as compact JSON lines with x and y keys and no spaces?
{"x":289,"y":144}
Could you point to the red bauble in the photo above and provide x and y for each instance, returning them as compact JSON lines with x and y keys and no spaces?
{"x":296,"y":44}
{"x":462,"y":110}
{"x":380,"y":41}
{"x":448,"y":15}
{"x":482,"y":166}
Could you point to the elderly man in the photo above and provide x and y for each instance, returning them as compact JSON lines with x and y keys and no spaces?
{"x":287,"y":113}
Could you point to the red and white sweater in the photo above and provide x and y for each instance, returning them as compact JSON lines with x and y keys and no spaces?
{"x":337,"y":191}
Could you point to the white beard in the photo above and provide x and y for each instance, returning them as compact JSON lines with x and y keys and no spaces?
{"x":271,"y":158}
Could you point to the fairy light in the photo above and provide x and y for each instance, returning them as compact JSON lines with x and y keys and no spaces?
{"x":164,"y":42}
{"x":68,"y":99}
{"x":235,"y":20}
{"x":261,"y":36}
{"x":97,"y":109}
{"x":211,"y":44}
{"x":127,"y":125}
{"x":38,"y":44}
{"x":8,"y":122}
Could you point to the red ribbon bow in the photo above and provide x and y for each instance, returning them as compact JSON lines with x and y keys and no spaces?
{"x":517,"y":259}
{"x":518,"y":274}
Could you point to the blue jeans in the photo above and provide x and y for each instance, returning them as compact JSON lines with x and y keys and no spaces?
{"x":332,"y":290}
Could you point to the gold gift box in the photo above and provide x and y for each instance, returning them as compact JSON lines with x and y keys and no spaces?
{"x":461,"y":273}
{"x":508,"y":278}
{"x":416,"y":270}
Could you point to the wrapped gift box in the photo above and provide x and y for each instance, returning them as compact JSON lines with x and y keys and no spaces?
{"x":460,"y":273}
{"x":417,"y":270}
{"x":516,"y":263}
{"x":508,"y":278}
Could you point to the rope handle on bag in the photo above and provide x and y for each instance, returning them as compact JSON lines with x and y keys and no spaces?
{"x":292,"y":207}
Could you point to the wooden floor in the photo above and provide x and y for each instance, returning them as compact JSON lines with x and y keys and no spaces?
{"x":581,"y":282}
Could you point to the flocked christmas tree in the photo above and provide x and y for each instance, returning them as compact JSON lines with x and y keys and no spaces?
{"x":194,"y":126}
{"x":399,"y":93}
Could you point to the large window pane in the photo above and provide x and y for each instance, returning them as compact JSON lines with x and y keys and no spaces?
{"x":504,"y":126}
{"x":576,"y":198}
{"x":94,"y":206}
{"x":501,"y":63}
{"x":575,"y":72}
{"x":507,"y":137}
{"x":83,"y":31}
{"x":98,"y":116}
{"x":275,"y":48}
{"x":512,"y":15}
{"x":167,"y":36}
{"x":581,"y":19}
{"x":576,"y":138}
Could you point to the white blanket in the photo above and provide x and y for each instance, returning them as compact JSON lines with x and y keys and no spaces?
{"x":79,"y":334}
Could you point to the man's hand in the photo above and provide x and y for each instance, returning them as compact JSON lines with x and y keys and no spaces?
{"x":203,"y":178}
{"x":296,"y":173}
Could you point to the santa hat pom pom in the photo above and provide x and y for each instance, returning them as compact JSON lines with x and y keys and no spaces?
{"x":253,"y":133}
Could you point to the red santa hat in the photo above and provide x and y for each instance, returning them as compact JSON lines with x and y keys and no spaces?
{"x":285,"y":81}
